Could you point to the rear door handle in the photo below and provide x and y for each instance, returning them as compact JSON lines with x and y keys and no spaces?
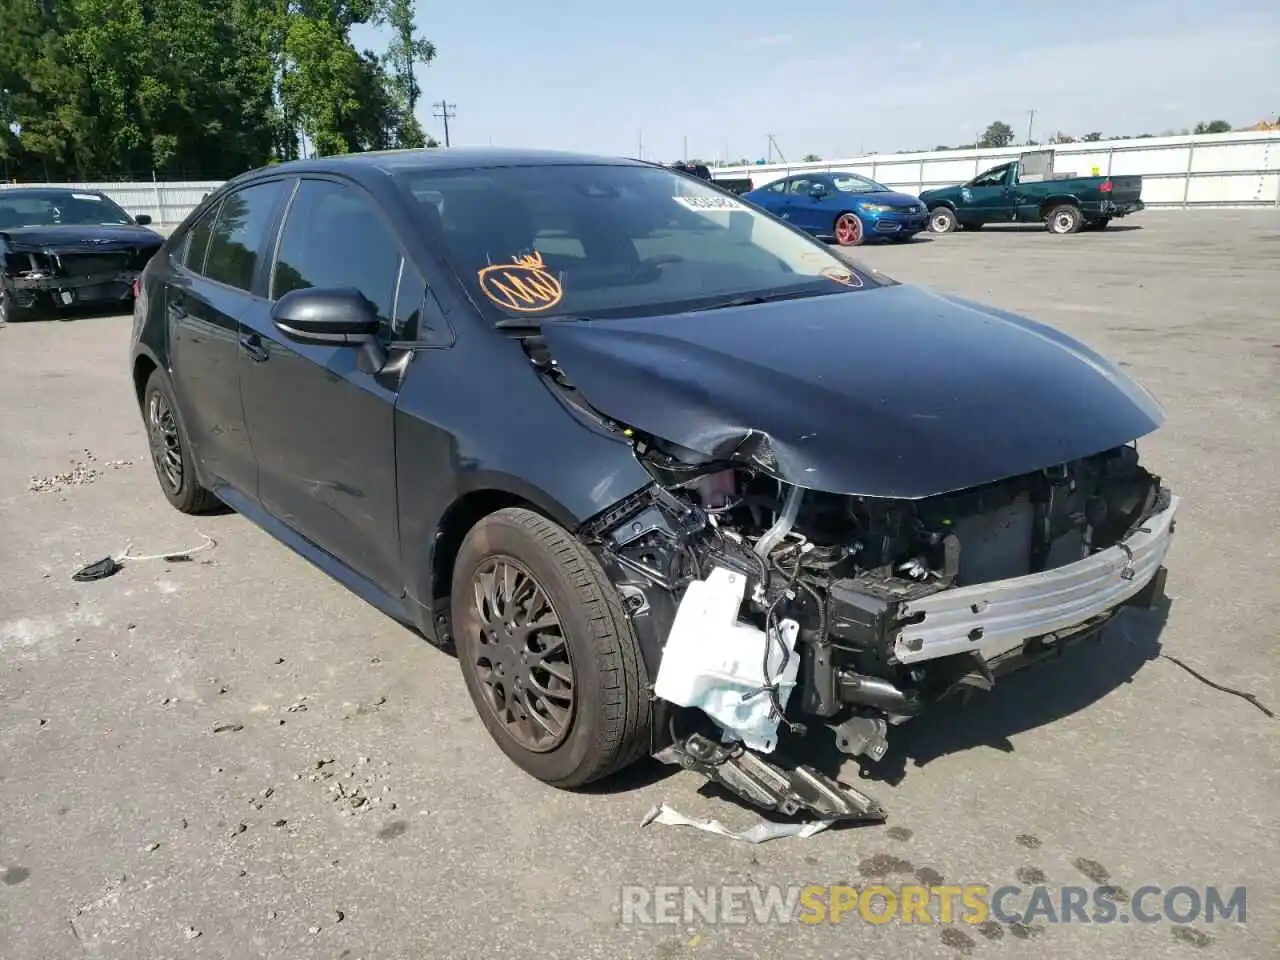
{"x":251,"y":344}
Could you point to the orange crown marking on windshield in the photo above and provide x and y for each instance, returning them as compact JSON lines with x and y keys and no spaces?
{"x":841,"y":275}
{"x":524,"y":285}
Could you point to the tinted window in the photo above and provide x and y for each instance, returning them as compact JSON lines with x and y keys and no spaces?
{"x":410,"y":299}
{"x":196,"y":244}
{"x":240,"y":237}
{"x":333,"y":237}
{"x":606,"y":240}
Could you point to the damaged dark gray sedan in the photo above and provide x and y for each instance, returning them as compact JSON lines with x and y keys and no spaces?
{"x":668,"y":475}
{"x":63,"y":248}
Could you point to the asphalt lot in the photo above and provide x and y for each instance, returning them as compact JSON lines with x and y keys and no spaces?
{"x":167,"y":735}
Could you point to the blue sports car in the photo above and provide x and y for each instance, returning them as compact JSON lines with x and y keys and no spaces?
{"x":845,"y":206}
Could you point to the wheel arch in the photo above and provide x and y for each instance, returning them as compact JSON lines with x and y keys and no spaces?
{"x":144,"y":364}
{"x":487,"y":496}
{"x":1058,"y":200}
{"x":935,"y":204}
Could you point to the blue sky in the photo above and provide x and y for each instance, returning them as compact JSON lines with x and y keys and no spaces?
{"x":838,"y":78}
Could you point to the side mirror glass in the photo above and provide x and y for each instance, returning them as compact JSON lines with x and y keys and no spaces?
{"x":817,"y":191}
{"x":336,"y":316}
{"x":142,"y":219}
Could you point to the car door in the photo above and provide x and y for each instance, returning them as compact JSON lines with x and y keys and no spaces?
{"x":323,"y":429}
{"x":988,"y":198}
{"x":210,"y":287}
{"x":808,"y":204}
{"x":772,"y":197}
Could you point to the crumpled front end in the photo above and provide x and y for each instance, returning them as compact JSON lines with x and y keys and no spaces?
{"x":763,"y":607}
{"x":49,"y":277}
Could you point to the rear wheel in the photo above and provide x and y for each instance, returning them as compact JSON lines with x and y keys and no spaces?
{"x":547,"y":652}
{"x":1064,"y":219}
{"x":848,"y":230}
{"x":943,"y":220}
{"x":170,"y":450}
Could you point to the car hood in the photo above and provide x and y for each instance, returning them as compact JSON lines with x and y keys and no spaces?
{"x":90,"y":238}
{"x":890,"y":199}
{"x":893,"y":392}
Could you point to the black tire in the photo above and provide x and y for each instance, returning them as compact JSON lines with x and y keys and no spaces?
{"x":974,"y":226}
{"x":167,"y":438}
{"x":943,"y":220}
{"x":1064,"y":219}
{"x":608,"y":719}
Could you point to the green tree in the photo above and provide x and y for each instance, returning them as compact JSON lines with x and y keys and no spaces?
{"x":405,"y":53}
{"x":811,"y":158}
{"x":998,"y":134}
{"x":1092,"y":137}
{"x":1213,"y":126}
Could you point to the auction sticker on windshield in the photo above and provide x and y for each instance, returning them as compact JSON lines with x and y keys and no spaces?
{"x":713,"y":204}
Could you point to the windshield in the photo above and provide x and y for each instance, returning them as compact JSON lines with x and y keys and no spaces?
{"x":58,"y":208}
{"x":601,"y":241}
{"x":854,"y":183}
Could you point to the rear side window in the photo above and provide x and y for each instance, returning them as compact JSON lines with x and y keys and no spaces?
{"x":239,"y":237}
{"x":196,"y":244}
{"x":333,"y":237}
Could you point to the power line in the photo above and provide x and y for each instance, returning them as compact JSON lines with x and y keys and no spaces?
{"x":446,"y":116}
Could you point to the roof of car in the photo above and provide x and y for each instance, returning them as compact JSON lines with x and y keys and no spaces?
{"x":8,"y":191}
{"x":452,"y":158}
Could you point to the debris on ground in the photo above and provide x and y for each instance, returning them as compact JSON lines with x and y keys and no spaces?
{"x":228,"y":728}
{"x":82,"y":473}
{"x":111,"y":565}
{"x":761,"y":833}
{"x":352,"y":795}
{"x":192,"y":933}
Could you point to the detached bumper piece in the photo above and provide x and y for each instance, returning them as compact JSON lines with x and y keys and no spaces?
{"x":770,"y":787}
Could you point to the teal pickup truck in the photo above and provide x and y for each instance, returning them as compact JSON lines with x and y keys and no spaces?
{"x":1027,"y":190}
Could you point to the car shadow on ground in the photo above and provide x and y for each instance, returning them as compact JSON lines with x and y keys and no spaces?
{"x":879,"y":242}
{"x":1039,"y":228}
{"x":1041,"y":693}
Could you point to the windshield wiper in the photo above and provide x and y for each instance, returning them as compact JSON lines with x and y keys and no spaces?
{"x":751,"y":301}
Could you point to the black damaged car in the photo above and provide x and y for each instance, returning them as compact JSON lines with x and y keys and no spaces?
{"x":62,"y":248}
{"x":669,"y":476}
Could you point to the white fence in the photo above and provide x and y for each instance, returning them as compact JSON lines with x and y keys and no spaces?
{"x":1209,"y":170}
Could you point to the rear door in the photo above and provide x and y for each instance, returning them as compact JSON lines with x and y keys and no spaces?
{"x":323,"y":430}
{"x":209,"y":289}
{"x":772,"y":197}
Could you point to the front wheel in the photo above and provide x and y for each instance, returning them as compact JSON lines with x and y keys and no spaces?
{"x":1064,"y":219}
{"x":848,"y":230}
{"x":547,"y":652}
{"x":943,"y":220}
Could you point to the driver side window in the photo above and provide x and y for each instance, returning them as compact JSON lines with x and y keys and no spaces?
{"x":800,"y":187}
{"x":992,"y":178}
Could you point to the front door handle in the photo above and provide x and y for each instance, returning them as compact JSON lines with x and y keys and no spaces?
{"x":251,"y":344}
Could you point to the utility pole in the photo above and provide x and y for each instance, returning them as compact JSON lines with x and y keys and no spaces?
{"x":1031,"y":119}
{"x":773,"y":146}
{"x":686,"y":149}
{"x":640,"y":145}
{"x":446,"y":116}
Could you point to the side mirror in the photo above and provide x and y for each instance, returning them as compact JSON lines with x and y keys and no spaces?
{"x":817,"y":191}
{"x":142,"y":219}
{"x":336,"y":316}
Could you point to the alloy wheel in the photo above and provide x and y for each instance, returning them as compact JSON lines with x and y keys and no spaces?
{"x":522,"y":660}
{"x":848,"y":229}
{"x":166,"y":442}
